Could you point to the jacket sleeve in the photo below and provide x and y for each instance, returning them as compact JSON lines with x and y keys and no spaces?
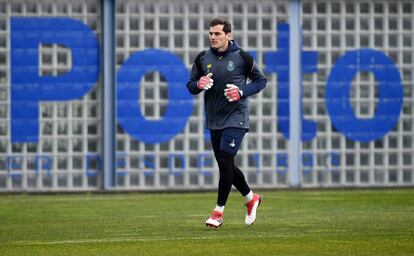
{"x":195,"y":75}
{"x":258,"y":79}
{"x":192,"y":82}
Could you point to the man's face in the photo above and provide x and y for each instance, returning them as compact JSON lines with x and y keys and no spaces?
{"x":218,"y":39}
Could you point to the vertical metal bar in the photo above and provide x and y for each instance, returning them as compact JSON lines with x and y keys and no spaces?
{"x":295,"y":95}
{"x":108,"y":105}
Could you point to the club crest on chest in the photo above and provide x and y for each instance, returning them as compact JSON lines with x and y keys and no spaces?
{"x":230,"y":66}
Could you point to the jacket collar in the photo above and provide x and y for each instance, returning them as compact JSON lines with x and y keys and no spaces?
{"x":232,"y":47}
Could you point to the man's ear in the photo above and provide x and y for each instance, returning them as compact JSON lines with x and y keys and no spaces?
{"x":229,"y":35}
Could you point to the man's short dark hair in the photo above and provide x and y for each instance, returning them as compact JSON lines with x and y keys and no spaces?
{"x":221,"y":21}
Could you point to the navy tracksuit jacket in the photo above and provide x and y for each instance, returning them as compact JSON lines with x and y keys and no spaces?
{"x":233,"y":66}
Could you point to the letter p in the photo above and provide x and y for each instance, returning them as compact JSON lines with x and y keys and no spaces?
{"x":28,"y":87}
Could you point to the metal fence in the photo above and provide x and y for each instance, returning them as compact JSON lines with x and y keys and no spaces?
{"x":67,"y":154}
{"x":333,"y":28}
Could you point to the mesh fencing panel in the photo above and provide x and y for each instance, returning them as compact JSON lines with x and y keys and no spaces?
{"x":67,"y":155}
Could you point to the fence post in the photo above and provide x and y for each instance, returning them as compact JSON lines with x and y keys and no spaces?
{"x":108,"y":106}
{"x":295,"y":95}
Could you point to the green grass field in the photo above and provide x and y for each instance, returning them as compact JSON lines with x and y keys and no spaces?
{"x":327,"y":222}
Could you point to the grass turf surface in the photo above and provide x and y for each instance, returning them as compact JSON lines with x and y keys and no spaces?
{"x":327,"y":222}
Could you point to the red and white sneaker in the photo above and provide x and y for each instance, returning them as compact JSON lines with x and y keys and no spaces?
{"x":215,"y":220}
{"x":252,"y":206}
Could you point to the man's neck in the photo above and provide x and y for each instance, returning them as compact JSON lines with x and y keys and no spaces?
{"x":224,"y":49}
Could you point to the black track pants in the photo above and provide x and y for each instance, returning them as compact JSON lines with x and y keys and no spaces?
{"x":225,"y":145}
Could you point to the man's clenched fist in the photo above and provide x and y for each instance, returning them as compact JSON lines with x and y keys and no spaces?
{"x":233,"y":93}
{"x":205,"y":82}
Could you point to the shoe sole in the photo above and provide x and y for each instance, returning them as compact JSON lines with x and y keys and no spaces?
{"x":213,"y":226}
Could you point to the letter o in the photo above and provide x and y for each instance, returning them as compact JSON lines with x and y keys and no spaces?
{"x":390,"y":95}
{"x":180,"y":104}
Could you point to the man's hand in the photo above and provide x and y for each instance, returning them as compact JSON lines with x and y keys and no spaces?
{"x":233,"y":93}
{"x":205,"y":82}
